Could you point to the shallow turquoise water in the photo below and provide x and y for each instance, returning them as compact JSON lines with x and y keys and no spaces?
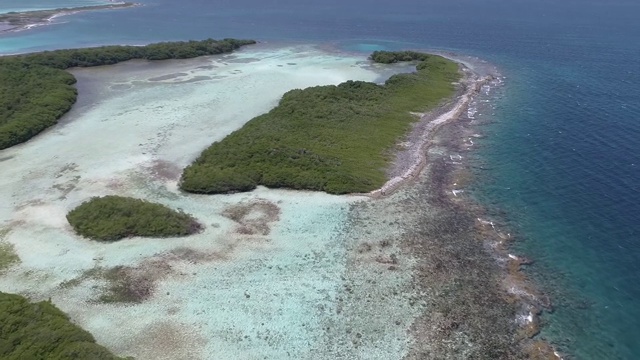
{"x":562,"y":152}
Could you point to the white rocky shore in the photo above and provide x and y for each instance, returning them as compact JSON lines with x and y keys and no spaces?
{"x":412,"y":160}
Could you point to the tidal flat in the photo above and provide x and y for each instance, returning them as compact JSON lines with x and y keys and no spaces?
{"x":275,"y":274}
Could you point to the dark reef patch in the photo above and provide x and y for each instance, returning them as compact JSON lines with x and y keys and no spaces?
{"x":459,"y":278}
{"x":165,"y":170}
{"x":41,"y":331}
{"x":253,"y":218}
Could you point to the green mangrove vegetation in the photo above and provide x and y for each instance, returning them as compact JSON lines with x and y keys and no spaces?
{"x":8,"y":256}
{"x":111,"y":218}
{"x":337,"y":139}
{"x":392,"y":57}
{"x":41,"y":331}
{"x":35,"y":91}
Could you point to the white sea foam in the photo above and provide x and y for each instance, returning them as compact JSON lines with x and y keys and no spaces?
{"x":472,"y":110}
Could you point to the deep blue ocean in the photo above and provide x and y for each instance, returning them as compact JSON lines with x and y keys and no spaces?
{"x":562,"y":151}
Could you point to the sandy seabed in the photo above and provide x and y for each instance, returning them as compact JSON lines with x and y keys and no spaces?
{"x":276,"y":274}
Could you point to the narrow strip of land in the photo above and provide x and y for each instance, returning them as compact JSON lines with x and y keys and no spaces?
{"x":16,"y":21}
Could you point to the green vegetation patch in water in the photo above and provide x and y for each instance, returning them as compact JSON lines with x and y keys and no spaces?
{"x":35,"y":91}
{"x":392,"y":57}
{"x":336,"y":139}
{"x":42,"y":331}
{"x":112,"y":218}
{"x":8,"y":256}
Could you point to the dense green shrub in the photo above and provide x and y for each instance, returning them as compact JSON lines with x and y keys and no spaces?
{"x":41,"y":331}
{"x":8,"y":256}
{"x":32,"y":98}
{"x":107,"y":55}
{"x":35,"y":91}
{"x":329,"y":138}
{"x":112,"y":218}
{"x":390,"y":57}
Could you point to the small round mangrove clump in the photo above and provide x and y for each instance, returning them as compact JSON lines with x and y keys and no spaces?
{"x":111,"y":218}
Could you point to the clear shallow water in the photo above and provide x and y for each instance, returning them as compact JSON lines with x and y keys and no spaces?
{"x":563,"y":153}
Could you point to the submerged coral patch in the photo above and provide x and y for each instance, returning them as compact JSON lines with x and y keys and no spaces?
{"x":253,"y":218}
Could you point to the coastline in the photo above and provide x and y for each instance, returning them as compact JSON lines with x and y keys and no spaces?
{"x":413,"y":159}
{"x":431,"y":157}
{"x":20,"y":21}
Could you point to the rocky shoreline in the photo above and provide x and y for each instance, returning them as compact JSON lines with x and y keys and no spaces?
{"x":478,"y":302}
{"x":412,"y":159}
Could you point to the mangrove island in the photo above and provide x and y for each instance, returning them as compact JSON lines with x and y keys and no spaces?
{"x":337,"y":139}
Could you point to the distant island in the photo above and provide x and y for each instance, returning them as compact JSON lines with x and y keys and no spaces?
{"x":16,"y":21}
{"x":337,"y":139}
{"x":35,"y":91}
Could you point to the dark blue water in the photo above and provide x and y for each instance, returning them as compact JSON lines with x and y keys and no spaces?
{"x":563,"y":150}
